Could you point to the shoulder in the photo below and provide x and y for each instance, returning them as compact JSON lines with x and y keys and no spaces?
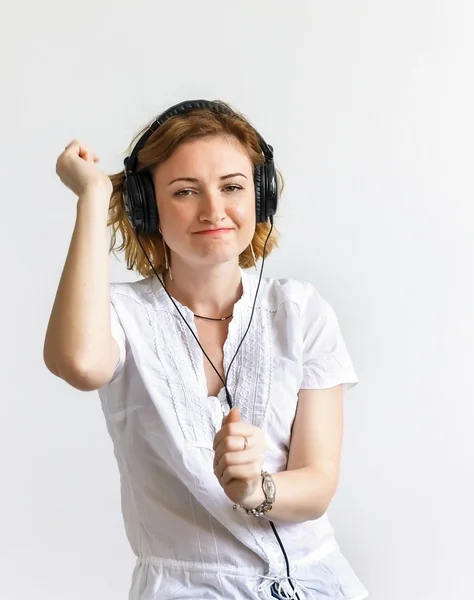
{"x":277,"y":292}
{"x":128,"y":295}
{"x":138,"y":290}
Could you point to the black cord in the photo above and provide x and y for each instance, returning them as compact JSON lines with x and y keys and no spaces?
{"x":224,"y":381}
{"x":254,"y":303}
{"x":285,"y":556}
{"x":183,"y":317}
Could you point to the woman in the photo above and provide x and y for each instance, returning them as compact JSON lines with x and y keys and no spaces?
{"x":222,"y":391}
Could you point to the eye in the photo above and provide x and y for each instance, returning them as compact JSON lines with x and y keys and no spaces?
{"x":233,"y":188}
{"x":186,"y":192}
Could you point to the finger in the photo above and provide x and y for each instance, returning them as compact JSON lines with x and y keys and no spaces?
{"x":78,"y":148}
{"x":245,"y":473}
{"x":235,"y":458}
{"x":71,"y":144}
{"x":75,"y":147}
{"x":86,"y":153}
{"x":233,"y":416}
{"x":232,"y":444}
{"x":237,"y":428}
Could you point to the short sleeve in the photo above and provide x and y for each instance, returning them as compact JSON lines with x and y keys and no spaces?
{"x":119,"y":336}
{"x":326,"y":360}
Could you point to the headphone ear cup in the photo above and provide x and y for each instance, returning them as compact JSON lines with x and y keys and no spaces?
{"x":259,"y":194}
{"x":140,"y":202}
{"x":271,"y":190}
{"x":150,"y":207}
{"x":266,"y":191}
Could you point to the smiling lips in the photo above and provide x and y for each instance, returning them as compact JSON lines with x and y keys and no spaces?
{"x":213,"y":231}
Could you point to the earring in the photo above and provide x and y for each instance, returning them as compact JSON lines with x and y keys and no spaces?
{"x":253,"y":256}
{"x":165,"y":251}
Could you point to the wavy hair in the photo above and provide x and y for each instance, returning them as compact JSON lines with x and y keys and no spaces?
{"x":198,"y":123}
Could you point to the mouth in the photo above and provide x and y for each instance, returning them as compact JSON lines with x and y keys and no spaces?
{"x":214,"y":231}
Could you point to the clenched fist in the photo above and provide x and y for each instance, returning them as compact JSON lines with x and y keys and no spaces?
{"x":239,"y":454}
{"x":76,"y":168}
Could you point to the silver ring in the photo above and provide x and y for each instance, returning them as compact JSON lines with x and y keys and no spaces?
{"x":246,"y":442}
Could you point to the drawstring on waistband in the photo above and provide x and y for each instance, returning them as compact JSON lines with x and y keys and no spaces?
{"x":277,"y":583}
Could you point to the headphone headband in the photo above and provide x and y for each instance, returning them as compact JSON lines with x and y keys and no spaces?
{"x":139,"y":193}
{"x":179,"y":109}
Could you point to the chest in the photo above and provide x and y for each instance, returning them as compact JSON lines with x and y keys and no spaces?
{"x":212,"y":336}
{"x":171,"y":387}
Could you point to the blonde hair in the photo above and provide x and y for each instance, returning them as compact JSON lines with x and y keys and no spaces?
{"x":198,"y":123}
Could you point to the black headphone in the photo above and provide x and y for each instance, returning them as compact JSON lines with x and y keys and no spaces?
{"x":139,"y":191}
{"x":140,"y":204}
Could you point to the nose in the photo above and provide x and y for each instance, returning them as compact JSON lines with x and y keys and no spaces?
{"x":212,"y":209}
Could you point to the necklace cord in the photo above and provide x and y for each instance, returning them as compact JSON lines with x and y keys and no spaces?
{"x":224,"y":380}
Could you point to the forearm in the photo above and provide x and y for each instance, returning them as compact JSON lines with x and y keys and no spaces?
{"x":78,"y":336}
{"x":301,"y":495}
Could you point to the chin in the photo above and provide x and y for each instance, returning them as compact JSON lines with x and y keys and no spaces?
{"x":213,"y":258}
{"x":208,"y":254}
{"x":220,"y":259}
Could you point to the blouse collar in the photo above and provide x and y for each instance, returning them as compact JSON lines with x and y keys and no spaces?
{"x":248,"y":290}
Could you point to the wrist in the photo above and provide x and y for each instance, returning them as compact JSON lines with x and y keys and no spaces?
{"x":95,"y":199}
{"x":260,"y":502}
{"x":255,"y":499}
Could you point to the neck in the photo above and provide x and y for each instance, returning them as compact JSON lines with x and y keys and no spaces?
{"x":210,"y":290}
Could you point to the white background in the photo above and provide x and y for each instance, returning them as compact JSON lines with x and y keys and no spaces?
{"x":369,"y":107}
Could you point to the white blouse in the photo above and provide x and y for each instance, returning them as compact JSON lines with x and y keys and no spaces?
{"x":188,"y":540}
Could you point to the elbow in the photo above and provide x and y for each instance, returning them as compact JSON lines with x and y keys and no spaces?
{"x":81,"y":374}
{"x":320,"y":510}
{"x":327,"y":493}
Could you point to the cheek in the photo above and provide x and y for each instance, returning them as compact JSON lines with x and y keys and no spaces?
{"x":244,"y":212}
{"x":245,"y":219}
{"x":174,"y":217}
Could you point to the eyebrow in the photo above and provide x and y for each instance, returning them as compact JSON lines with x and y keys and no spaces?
{"x":194,"y":180}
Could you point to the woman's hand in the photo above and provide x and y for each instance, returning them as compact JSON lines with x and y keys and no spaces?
{"x":237,"y":462}
{"x":76,"y":169}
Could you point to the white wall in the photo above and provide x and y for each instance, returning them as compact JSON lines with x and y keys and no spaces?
{"x":369,"y":107}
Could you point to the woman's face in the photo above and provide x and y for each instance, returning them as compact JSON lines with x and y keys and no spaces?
{"x":206,"y":200}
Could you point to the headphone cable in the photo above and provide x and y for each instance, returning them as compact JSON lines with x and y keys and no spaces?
{"x":224,"y":381}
